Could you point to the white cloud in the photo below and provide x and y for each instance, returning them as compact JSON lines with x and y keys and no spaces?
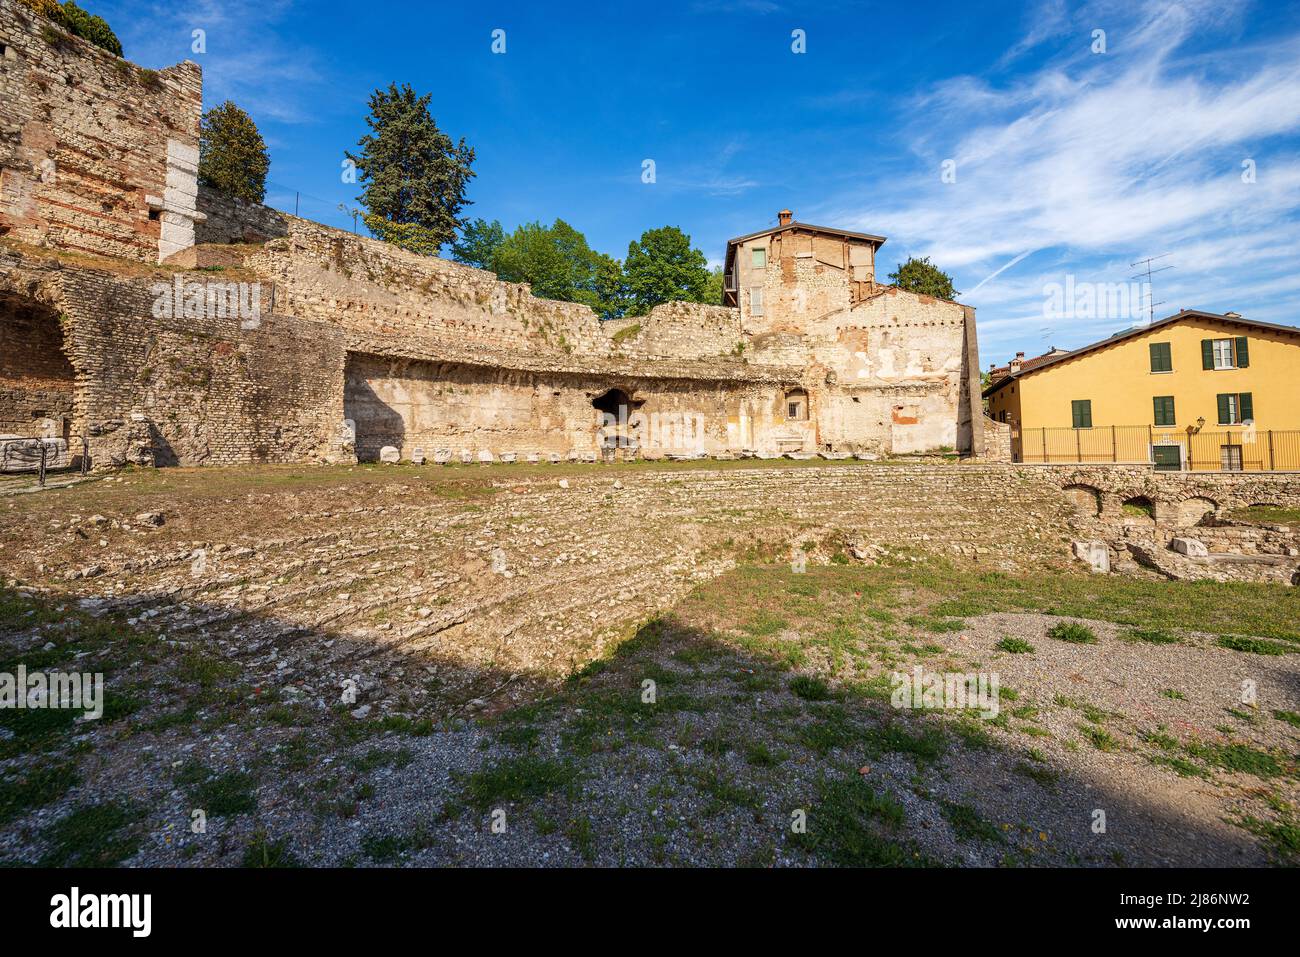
{"x":1091,"y":162}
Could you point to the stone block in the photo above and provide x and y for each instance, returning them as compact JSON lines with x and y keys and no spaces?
{"x":1190,"y":547}
{"x":1096,"y":555}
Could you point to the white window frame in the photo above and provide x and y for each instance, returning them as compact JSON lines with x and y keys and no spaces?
{"x":756,"y":301}
{"x":1223,"y":354}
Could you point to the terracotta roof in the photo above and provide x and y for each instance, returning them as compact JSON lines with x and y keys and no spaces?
{"x":1027,"y":364}
{"x":1137,"y":331}
{"x":809,"y":227}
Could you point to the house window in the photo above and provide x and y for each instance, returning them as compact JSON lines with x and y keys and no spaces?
{"x":760,"y":257}
{"x":796,"y":404}
{"x":1081,"y":413}
{"x":1230,"y":458}
{"x":1164,"y":408}
{"x":756,"y":302}
{"x":1161,"y":360}
{"x":1236,"y":408}
{"x":1225,"y":353}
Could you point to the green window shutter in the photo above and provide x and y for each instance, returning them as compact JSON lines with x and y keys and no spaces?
{"x":1243,"y":353}
{"x":1225,"y":413}
{"x":1246,"y":403}
{"x":1081,"y":412}
{"x":1207,"y":353}
{"x":1160,"y":358}
{"x":1164,"y":409}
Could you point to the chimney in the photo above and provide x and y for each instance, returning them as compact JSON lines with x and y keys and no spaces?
{"x":785,"y":217}
{"x":1017,"y":361}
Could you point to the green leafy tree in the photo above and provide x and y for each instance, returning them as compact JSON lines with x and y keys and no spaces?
{"x":232,"y":154}
{"x":713,"y":291}
{"x":478,"y":243}
{"x":612,"y":299}
{"x":414,"y":176}
{"x":559,"y":264}
{"x":924,"y":278}
{"x":662,"y":267}
{"x":78,"y":22}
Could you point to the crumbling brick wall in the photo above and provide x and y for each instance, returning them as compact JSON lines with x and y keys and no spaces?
{"x":96,"y":154}
{"x":37,"y":381}
{"x":228,"y":219}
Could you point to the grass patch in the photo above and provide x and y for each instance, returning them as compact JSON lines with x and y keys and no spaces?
{"x":968,"y":824}
{"x":226,"y":795}
{"x":1152,"y":636}
{"x":810,"y":688}
{"x":1045,"y":776}
{"x":850,"y":825}
{"x":34,"y":789}
{"x":1290,"y":717}
{"x":1073,"y":632}
{"x":1016,"y":646}
{"x":261,"y":852}
{"x":1254,"y":646}
{"x":516,"y":779}
{"x":1237,"y":758}
{"x":94,"y":835}
{"x":1099,"y":737}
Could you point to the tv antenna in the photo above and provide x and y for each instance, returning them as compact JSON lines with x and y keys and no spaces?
{"x":1144,"y":265}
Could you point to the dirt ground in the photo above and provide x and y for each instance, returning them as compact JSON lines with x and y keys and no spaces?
{"x":633,"y":665}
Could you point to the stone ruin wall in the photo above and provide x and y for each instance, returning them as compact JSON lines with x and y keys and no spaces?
{"x":176,"y":390}
{"x":100,"y":158}
{"x":88,"y":142}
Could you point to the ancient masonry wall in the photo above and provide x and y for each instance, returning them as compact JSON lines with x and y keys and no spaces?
{"x":228,"y":219}
{"x":162,"y":386}
{"x":96,"y":154}
{"x":37,"y":382}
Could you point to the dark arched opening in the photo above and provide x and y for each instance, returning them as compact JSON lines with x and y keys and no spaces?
{"x":37,"y":380}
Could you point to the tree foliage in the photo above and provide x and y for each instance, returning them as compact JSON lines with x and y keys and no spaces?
{"x":478,"y":243}
{"x":663,"y":267}
{"x":414,"y":176}
{"x":78,"y":22}
{"x":924,"y":278}
{"x":557,"y":262}
{"x":232,"y":154}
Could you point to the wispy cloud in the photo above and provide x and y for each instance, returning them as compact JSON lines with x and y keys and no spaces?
{"x":1103,"y":159}
{"x":247,"y":58}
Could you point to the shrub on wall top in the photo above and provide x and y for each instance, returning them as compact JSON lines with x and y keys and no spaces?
{"x":78,"y":22}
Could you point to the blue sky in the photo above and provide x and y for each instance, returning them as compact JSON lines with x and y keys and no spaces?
{"x":1181,"y":139}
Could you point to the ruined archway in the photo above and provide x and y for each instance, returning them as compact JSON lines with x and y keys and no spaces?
{"x":614,"y":429}
{"x":1194,"y":510}
{"x":37,"y":379}
{"x":1085,"y":498}
{"x":1138,"y":510}
{"x":614,"y":402}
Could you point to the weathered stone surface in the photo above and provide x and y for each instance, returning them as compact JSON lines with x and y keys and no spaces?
{"x":1189,"y":547}
{"x":1096,"y":555}
{"x":390,"y":454}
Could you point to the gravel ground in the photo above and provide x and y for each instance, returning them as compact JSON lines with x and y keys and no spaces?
{"x":771,"y":739}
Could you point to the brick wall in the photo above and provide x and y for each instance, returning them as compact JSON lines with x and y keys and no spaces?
{"x":89,"y":142}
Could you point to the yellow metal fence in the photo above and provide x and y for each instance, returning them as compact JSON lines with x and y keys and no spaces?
{"x":1249,"y":450}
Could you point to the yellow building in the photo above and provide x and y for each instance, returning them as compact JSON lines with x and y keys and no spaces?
{"x":1195,"y":390}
